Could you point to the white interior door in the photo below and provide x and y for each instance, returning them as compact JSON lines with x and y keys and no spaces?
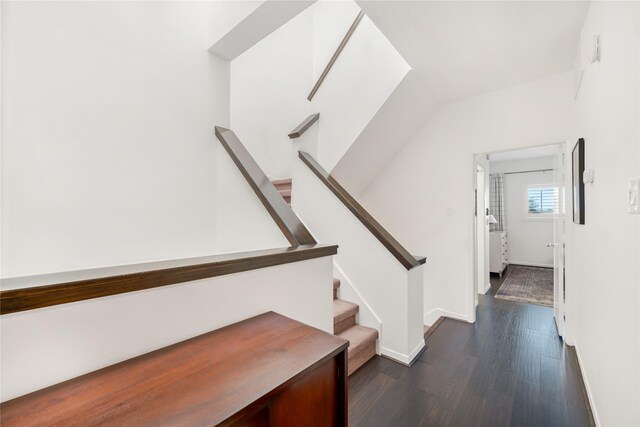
{"x":558,"y":243}
{"x":480,"y":230}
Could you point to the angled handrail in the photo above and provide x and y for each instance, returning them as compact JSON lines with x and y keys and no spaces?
{"x":333,"y":59}
{"x":396,"y":249}
{"x":288,"y":222}
{"x":33,"y":292}
{"x":62,"y":288}
{"x":302,"y":127}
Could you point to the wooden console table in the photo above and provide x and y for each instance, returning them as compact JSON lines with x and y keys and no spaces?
{"x":265,"y":371}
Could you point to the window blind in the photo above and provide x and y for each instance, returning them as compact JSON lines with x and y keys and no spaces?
{"x":542,"y":200}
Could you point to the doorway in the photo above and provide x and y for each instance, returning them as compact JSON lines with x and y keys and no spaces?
{"x":482,"y":230}
{"x":519,"y":227}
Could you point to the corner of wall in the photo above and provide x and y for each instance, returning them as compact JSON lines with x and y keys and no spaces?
{"x":432,"y":315}
{"x":587,"y":386}
{"x":367,"y":317}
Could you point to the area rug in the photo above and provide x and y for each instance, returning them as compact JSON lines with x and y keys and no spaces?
{"x":532,"y":285}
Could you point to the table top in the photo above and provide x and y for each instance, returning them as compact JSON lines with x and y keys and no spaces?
{"x":201,"y":381}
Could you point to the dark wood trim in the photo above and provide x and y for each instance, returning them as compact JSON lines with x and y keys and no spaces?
{"x":433,"y":327}
{"x":302,"y":127}
{"x":578,"y":182}
{"x":151,"y":275}
{"x":343,"y":390}
{"x":396,"y":249}
{"x":583,"y":388}
{"x":333,"y":59}
{"x":288,"y":222}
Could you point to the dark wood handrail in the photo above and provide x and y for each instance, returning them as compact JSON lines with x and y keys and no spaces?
{"x":333,"y":59}
{"x":302,"y":127}
{"x":62,"y":288}
{"x":396,"y":249}
{"x":288,"y":222}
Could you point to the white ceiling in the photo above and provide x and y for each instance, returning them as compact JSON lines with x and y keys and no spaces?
{"x":524,"y":153}
{"x":468,"y":48}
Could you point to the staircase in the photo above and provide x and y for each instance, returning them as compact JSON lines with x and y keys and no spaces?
{"x":362,"y":340}
{"x":284,"y":188}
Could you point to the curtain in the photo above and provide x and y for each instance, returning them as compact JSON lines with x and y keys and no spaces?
{"x":496,"y":202}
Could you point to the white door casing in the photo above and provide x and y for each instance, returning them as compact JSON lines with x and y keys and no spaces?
{"x":558,"y":242}
{"x":480,"y":230}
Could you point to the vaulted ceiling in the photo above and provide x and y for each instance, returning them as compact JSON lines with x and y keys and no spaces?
{"x":467,"y":48}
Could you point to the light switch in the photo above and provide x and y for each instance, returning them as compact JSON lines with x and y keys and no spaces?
{"x":448,"y":212}
{"x":587,"y":176}
{"x":634,"y":199}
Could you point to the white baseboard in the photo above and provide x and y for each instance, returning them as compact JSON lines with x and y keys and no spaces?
{"x":433,"y":315}
{"x":594,"y":411}
{"x":367,"y":315}
{"x":457,"y":316}
{"x":402,"y":358}
{"x":487,"y":287}
{"x":530,"y":264}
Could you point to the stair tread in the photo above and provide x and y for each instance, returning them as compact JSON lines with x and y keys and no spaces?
{"x":358,"y":336}
{"x":336,"y":283}
{"x":282,"y":181}
{"x":285,"y":193}
{"x":343,"y":309}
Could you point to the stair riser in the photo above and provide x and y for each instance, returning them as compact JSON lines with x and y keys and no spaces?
{"x":344,"y":324}
{"x":284,"y":181}
{"x":283,"y":188}
{"x":355,"y":361}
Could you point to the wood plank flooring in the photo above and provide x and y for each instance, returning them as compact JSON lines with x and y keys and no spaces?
{"x":509,"y":368}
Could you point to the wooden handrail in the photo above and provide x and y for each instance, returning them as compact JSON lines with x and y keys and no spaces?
{"x":288,"y":222}
{"x":333,"y":59}
{"x":302,"y":127}
{"x":28,"y":293}
{"x":396,"y":249}
{"x":62,"y":288}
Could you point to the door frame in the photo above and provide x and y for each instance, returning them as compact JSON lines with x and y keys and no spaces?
{"x":566,"y":282}
{"x":481,"y":238}
{"x":559,"y":239}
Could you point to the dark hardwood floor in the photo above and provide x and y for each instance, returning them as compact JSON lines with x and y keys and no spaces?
{"x":509,"y":368}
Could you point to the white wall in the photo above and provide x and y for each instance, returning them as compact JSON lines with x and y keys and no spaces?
{"x":46,"y":346}
{"x":108,"y":153}
{"x":603,"y":281}
{"x":251,"y":24}
{"x":360,"y":81}
{"x":435,"y":172}
{"x":269,"y":87}
{"x":224,"y":15}
{"x":391,"y":295}
{"x":270,"y":83}
{"x":527,"y":237}
{"x":483,"y":282}
{"x":390,"y":129}
{"x":109,"y":158}
{"x":331,"y":20}
{"x":243,"y":222}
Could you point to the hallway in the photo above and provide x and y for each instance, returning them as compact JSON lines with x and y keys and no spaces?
{"x":509,"y":368}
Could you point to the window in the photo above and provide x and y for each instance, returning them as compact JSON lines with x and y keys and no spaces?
{"x":542,"y":200}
